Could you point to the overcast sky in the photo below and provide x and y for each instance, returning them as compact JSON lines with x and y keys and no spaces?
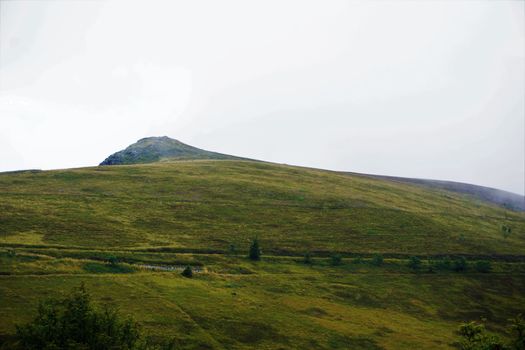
{"x":429,"y":89}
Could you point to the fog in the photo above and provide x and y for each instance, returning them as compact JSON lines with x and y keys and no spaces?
{"x":431,"y":89}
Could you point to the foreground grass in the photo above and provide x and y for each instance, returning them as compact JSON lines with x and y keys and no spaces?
{"x":279,"y":303}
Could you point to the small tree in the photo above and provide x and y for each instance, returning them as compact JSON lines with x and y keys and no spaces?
{"x":187,"y":272}
{"x":255,"y":250}
{"x":414,"y":263}
{"x":377,"y":260}
{"x":307,"y":259}
{"x":506,"y":230}
{"x":112,"y":260}
{"x":336,"y":260}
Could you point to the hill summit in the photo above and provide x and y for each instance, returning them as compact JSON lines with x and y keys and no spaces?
{"x":154,"y":149}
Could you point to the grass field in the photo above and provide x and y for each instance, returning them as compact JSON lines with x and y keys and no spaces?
{"x":58,"y":228}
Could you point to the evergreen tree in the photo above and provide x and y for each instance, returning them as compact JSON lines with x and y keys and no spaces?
{"x":255,"y":250}
{"x":307,"y":259}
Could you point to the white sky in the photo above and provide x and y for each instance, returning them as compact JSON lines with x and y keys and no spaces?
{"x":430,"y":89}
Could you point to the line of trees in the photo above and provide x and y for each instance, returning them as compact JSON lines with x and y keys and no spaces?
{"x":459,"y":264}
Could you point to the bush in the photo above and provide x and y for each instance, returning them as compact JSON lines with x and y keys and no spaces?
{"x":475,"y":336}
{"x":460,"y":264}
{"x":414,"y":263}
{"x":112,"y":260}
{"x":483,"y":266}
{"x":74,"y":323}
{"x":377,"y":260}
{"x":187,"y":272}
{"x":255,"y":250}
{"x":336,"y":260}
{"x":517,"y":332}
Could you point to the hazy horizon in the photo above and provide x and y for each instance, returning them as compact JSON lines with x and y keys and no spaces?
{"x":415,"y":89}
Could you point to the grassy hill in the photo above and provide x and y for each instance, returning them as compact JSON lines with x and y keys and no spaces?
{"x":209,"y":205}
{"x":58,"y":228}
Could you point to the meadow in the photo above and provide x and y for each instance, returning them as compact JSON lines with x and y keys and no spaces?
{"x":115,"y":227}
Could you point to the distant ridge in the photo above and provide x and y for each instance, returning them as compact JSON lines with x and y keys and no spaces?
{"x":502,"y":198}
{"x":154,"y":149}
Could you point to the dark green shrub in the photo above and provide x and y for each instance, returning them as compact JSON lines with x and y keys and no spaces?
{"x":336,"y":260}
{"x":112,"y":260}
{"x":255,"y":250}
{"x":74,"y":323}
{"x":475,"y":336}
{"x":506,"y":231}
{"x":517,"y":332}
{"x":460,"y":264}
{"x":414,"y":263}
{"x":187,"y":272}
{"x":483,"y":266}
{"x":232,"y":250}
{"x":377,"y":260}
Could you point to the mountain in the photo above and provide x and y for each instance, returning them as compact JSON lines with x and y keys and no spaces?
{"x":126,"y":232}
{"x":154,"y":149}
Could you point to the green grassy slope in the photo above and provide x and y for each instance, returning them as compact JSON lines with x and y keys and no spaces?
{"x":211,"y":204}
{"x":278,"y":303}
{"x":58,"y":228}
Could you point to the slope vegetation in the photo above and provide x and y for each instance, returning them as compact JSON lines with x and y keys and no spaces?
{"x":209,"y":205}
{"x":128,"y":231}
